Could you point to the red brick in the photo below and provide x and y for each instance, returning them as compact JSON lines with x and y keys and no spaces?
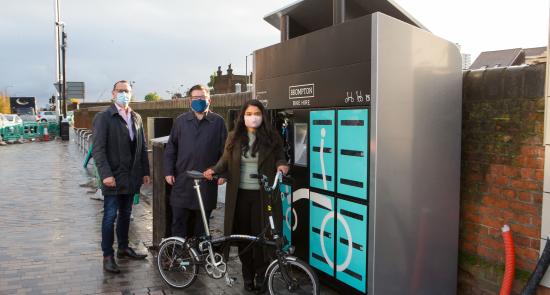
{"x":511,"y":171}
{"x":497,"y":169}
{"x":537,"y":198}
{"x":537,"y":163}
{"x":527,"y":253}
{"x":491,"y":243}
{"x":524,"y":208}
{"x":525,"y":219}
{"x":488,"y":210}
{"x":468,"y":247}
{"x":527,"y":173}
{"x":525,"y":185}
{"x":502,"y":180}
{"x":539,"y":174}
{"x":495,"y":191}
{"x":491,"y":221}
{"x":509,"y":194}
{"x":525,"y":197}
{"x":474,"y":177}
{"x":535,"y":244}
{"x":488,"y":252}
{"x":522,"y":241}
{"x":495,"y":232}
{"x":528,"y":231}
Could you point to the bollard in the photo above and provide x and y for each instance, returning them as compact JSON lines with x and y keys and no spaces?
{"x":46,"y":135}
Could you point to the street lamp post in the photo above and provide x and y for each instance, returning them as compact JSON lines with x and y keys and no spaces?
{"x":63,"y":54}
{"x":246,"y":68}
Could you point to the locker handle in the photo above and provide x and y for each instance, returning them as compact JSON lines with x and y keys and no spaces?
{"x":325,"y":150}
{"x":318,"y":231}
{"x":351,"y":214}
{"x":322,"y":122}
{"x":351,"y":153}
{"x":353,"y":245}
{"x":319,"y":176}
{"x":352,"y":122}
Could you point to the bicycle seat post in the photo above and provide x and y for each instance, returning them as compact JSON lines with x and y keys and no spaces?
{"x":201,"y":205}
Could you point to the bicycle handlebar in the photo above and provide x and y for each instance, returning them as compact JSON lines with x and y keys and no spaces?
{"x":265,"y":182}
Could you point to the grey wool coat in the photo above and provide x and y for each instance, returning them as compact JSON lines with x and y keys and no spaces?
{"x":230,"y":166}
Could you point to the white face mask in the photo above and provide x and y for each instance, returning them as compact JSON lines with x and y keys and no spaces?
{"x":252,"y":121}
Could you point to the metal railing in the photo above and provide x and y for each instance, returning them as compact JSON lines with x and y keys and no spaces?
{"x":83,"y":138}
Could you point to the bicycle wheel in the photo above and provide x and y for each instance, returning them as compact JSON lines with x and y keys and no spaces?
{"x":177,"y":264}
{"x":301,"y":278}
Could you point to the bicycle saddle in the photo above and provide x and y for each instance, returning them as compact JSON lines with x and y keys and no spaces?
{"x":194,"y":174}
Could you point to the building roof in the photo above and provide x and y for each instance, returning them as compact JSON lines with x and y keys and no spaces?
{"x":313,"y":15}
{"x":497,"y":58}
{"x":506,"y":57}
{"x":535,"y":51}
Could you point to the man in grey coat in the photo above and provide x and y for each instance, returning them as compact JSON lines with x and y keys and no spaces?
{"x":120,"y":153}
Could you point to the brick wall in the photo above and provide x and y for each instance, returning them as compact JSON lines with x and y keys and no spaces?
{"x":502,"y":174}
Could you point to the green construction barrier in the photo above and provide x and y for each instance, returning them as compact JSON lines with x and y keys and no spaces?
{"x":30,"y":130}
{"x":12,"y":133}
{"x":53,"y":129}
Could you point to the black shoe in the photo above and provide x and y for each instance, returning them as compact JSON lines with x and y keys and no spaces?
{"x":249,"y":286}
{"x":130,"y":253}
{"x":259,"y":284}
{"x":109,"y":265}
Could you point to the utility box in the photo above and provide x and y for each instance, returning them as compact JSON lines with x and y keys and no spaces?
{"x":368,"y":103}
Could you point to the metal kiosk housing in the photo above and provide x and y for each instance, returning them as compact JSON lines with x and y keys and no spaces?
{"x":369,"y":104}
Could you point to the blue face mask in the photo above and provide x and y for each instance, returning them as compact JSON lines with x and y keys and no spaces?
{"x":123,"y":98}
{"x":199,"y":105}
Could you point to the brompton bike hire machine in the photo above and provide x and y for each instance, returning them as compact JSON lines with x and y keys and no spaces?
{"x":368,"y":103}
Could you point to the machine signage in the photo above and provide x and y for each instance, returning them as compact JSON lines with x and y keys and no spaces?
{"x":301,"y":91}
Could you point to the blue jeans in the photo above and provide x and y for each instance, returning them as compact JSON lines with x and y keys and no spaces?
{"x":112,"y":204}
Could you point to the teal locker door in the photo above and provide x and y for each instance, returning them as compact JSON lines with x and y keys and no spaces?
{"x":351,"y":245}
{"x":353,"y":152}
{"x":321,"y":232}
{"x":321,"y":149}
{"x":286,"y":193}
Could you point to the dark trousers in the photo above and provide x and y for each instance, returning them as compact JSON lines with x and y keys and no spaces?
{"x":112,"y":204}
{"x":248,"y":221}
{"x":188,"y":222}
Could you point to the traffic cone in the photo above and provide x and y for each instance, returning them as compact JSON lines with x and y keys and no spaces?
{"x":46,"y":135}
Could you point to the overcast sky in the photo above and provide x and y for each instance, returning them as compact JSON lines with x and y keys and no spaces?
{"x":162,"y":44}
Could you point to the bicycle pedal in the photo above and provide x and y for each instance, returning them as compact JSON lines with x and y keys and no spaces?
{"x":230,"y":281}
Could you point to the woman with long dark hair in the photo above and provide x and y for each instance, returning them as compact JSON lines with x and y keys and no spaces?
{"x":251,"y":150}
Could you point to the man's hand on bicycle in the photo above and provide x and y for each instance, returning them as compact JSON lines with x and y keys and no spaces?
{"x":209,"y":174}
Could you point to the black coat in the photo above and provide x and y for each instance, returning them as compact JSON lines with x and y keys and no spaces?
{"x":194,"y":145}
{"x":112,"y":151}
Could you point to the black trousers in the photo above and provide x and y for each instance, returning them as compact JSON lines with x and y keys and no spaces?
{"x":248,"y":221}
{"x":188,"y":223}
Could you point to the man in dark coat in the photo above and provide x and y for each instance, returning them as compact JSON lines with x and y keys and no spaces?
{"x":120,"y":154}
{"x":196,"y":142}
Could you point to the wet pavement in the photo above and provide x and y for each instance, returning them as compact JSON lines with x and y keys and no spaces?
{"x":50,"y":230}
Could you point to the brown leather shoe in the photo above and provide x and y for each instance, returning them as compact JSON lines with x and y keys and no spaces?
{"x":109,"y":265}
{"x":130,"y":253}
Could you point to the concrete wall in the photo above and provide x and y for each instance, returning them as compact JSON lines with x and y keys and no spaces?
{"x":221,"y":104}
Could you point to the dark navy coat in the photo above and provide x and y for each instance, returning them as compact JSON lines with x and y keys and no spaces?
{"x":115,"y":155}
{"x":194,"y":145}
